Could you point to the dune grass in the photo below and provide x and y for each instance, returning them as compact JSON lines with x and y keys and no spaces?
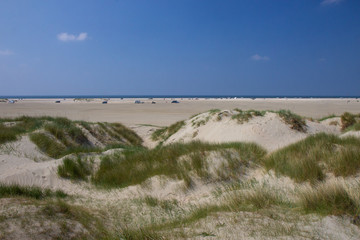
{"x":18,"y":126}
{"x":126,"y":133}
{"x":139,"y":234}
{"x":60,"y":136}
{"x":309,"y":159}
{"x":328,"y":199}
{"x":244,"y":116}
{"x":354,"y":127}
{"x":91,"y":220}
{"x":347,"y":120}
{"x":76,"y":169}
{"x":350,"y":122}
{"x":163,"y":134}
{"x":48,"y":145}
{"x":295,"y":121}
{"x":31,"y":192}
{"x":327,"y":117}
{"x":214,"y":110}
{"x":135,"y":166}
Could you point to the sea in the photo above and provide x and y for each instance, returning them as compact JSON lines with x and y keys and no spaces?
{"x":166,"y":96}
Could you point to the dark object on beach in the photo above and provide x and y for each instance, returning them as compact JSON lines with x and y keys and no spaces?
{"x":11,"y":101}
{"x":175,"y":101}
{"x":57,"y":101}
{"x":104,"y":102}
{"x":138,"y":102}
{"x":153,"y":102}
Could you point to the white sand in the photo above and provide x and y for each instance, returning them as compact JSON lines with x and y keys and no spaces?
{"x":269,"y":131}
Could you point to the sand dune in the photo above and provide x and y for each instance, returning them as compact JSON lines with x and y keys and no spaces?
{"x":22,"y":163}
{"x":269,"y":131}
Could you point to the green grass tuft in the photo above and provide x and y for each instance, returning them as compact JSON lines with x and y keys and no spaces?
{"x":135,"y":166}
{"x":354,"y":127}
{"x":347,"y":120}
{"x":327,"y":117}
{"x":77,"y":169}
{"x":139,"y":234}
{"x":164,"y":133}
{"x":308,"y":159}
{"x":330,"y":199}
{"x":295,"y":121}
{"x":58,"y":137}
{"x":48,"y":145}
{"x":245,"y":116}
{"x":31,"y":192}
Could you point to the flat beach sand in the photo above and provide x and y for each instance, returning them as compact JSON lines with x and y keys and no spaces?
{"x":164,"y":112}
{"x":163,"y":199}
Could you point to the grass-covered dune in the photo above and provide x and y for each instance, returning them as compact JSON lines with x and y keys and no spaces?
{"x":58,"y":137}
{"x":180,"y":161}
{"x":313,"y":157}
{"x":185,"y":190}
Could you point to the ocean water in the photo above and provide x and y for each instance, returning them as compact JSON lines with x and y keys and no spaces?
{"x":166,"y":96}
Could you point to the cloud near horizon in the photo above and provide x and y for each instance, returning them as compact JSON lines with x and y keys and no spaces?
{"x":257,"y":57}
{"x":6,"y":52}
{"x":65,"y":37}
{"x":330,"y":2}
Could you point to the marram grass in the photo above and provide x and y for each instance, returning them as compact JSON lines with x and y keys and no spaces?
{"x":311,"y":158}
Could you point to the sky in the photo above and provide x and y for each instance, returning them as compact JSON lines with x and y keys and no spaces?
{"x":180,"y":47}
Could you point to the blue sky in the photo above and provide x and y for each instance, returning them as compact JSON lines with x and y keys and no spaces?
{"x":180,"y":47}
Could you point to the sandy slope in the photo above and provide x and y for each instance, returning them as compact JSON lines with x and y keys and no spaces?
{"x":269,"y":131}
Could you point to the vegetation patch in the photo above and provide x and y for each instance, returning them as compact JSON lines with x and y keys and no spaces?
{"x":30,"y":192}
{"x":245,"y":116}
{"x":135,"y":166}
{"x":88,"y":219}
{"x":295,"y":121}
{"x":48,"y":145}
{"x":213,"y":111}
{"x":309,"y":159}
{"x":327,"y":117}
{"x":140,"y":233}
{"x":76,"y":169}
{"x":59,"y":136}
{"x":19,"y":126}
{"x":328,"y":199}
{"x":350,"y":122}
{"x":164,"y":133}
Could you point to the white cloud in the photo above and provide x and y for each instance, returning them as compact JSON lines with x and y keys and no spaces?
{"x":257,"y":57}
{"x":330,"y":2}
{"x":65,"y":37}
{"x":6,"y":52}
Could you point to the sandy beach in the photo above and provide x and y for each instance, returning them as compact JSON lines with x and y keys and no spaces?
{"x":210,"y":167}
{"x":164,"y":112}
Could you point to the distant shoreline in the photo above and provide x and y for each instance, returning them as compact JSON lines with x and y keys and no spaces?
{"x":171,"y":96}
